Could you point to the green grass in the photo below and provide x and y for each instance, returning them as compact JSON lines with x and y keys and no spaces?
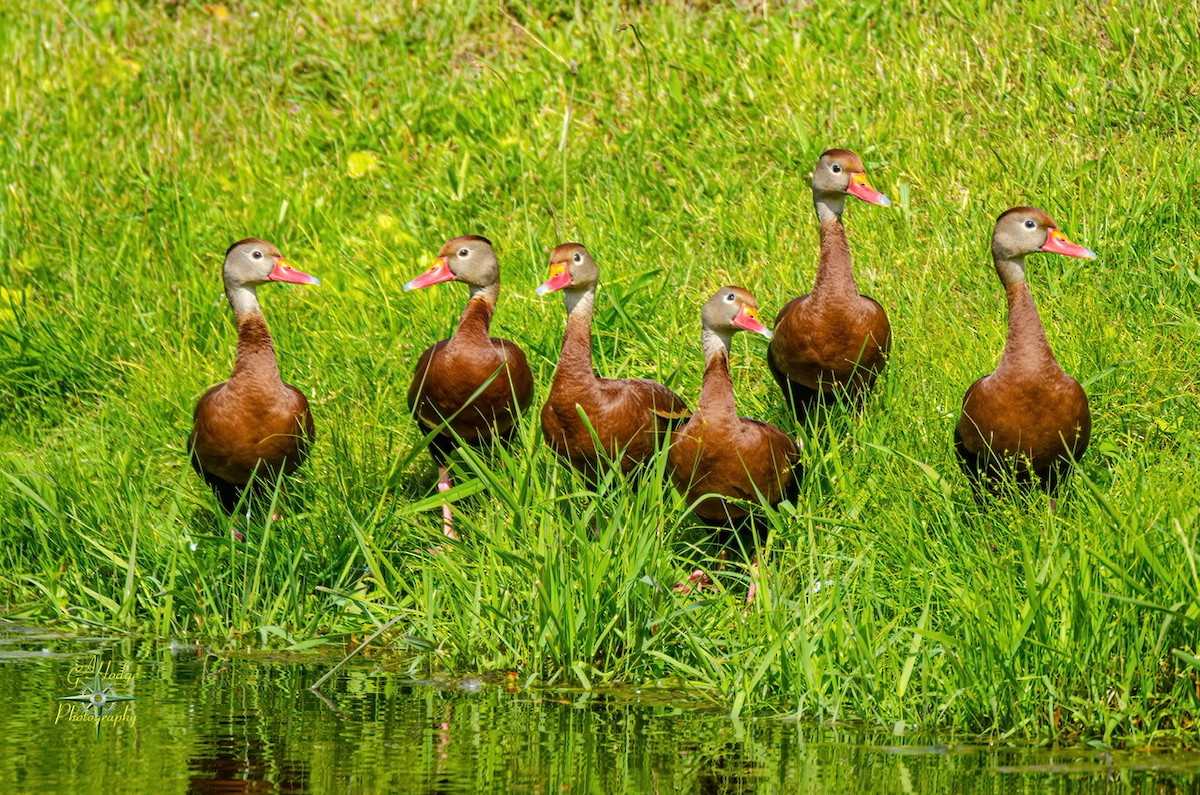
{"x":143,"y":138}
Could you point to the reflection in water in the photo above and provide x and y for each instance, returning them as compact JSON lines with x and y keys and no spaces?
{"x":232,"y":758}
{"x":209,"y":726}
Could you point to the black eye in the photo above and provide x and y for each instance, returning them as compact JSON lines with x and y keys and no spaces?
{"x":462,"y":252}
{"x":1029,"y":223}
{"x":730,"y":297}
{"x":578,"y":257}
{"x":257,"y":254}
{"x":836,"y":168}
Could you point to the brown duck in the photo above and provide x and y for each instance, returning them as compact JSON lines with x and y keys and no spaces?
{"x":1028,"y":417}
{"x":717,"y":452}
{"x":472,"y":386}
{"x":833,"y":339}
{"x":254,"y":423}
{"x":629,"y":417}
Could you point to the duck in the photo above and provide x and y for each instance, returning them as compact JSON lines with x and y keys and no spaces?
{"x":471,"y":387}
{"x":627,"y":419}
{"x":833,"y":340}
{"x":720,"y":462}
{"x":253,"y":427}
{"x":1028,"y":417}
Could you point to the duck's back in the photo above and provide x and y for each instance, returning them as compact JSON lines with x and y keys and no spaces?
{"x":631,"y":416}
{"x":1044,"y":421}
{"x":822,"y":345}
{"x":237,"y":430}
{"x":480,"y":388}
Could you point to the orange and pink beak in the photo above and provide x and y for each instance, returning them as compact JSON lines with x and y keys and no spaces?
{"x":283,"y":272}
{"x":747,"y":320}
{"x":862,"y":189}
{"x":438,"y":273}
{"x":560,"y":277}
{"x":1057,"y":243}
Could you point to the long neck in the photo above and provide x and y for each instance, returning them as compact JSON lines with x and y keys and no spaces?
{"x":476,"y":319}
{"x":835,"y":278}
{"x":576,"y":358}
{"x":716,"y":396}
{"x":255,"y":352}
{"x":242,"y":297}
{"x":1026,"y":347}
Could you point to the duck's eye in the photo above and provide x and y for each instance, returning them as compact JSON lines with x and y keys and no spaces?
{"x":578,"y":257}
{"x":1029,"y":223}
{"x":257,"y":254}
{"x":729,"y":298}
{"x":837,"y":169}
{"x":462,"y":252}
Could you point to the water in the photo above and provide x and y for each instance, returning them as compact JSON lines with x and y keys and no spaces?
{"x":205,"y":724}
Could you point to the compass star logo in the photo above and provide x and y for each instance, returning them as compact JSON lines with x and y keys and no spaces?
{"x":97,"y":698}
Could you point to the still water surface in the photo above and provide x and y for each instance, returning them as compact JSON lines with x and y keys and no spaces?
{"x":203,"y":724}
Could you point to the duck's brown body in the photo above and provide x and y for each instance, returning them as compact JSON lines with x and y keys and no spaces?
{"x":472,"y":385}
{"x":1028,"y":418}
{"x":630,"y":417}
{"x":627,"y":419}
{"x":253,"y":425}
{"x":832,"y":341}
{"x":716,"y":452}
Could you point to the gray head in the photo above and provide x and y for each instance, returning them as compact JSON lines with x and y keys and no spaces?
{"x":840,"y":172}
{"x":251,"y":262}
{"x":730,"y":310}
{"x":571,"y":268}
{"x":1025,"y":230}
{"x":468,"y":258}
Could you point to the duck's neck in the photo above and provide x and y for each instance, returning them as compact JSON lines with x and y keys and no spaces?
{"x":835,"y":278}
{"x":1025,"y":347}
{"x":716,"y":395}
{"x":476,"y":319}
{"x":575,"y":361}
{"x":255,"y":352}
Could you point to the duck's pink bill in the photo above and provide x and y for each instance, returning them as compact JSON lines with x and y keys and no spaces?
{"x":862,"y":189}
{"x":748,"y":322}
{"x":556,"y":282}
{"x":1057,"y":243}
{"x":440,"y":272}
{"x":282,"y":272}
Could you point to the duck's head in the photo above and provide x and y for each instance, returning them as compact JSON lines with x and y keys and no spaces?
{"x":840,"y":172}
{"x":571,"y":268}
{"x":468,"y":258}
{"x":1027,"y":230}
{"x":1024,"y":230}
{"x":732,"y":309}
{"x":251,"y":262}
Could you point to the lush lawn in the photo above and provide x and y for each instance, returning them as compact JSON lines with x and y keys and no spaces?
{"x":141,"y":139}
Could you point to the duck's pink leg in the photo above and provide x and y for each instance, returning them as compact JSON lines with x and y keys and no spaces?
{"x":443,"y":485}
{"x":753,"y":590}
{"x":696,"y":581}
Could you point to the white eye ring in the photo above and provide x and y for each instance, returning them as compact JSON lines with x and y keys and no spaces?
{"x":578,"y":257}
{"x":257,"y":254}
{"x":837,"y":169}
{"x":729,"y":298}
{"x":462,"y":252}
{"x":1029,"y":223}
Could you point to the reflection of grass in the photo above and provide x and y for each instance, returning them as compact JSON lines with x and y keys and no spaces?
{"x":146,"y":139}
